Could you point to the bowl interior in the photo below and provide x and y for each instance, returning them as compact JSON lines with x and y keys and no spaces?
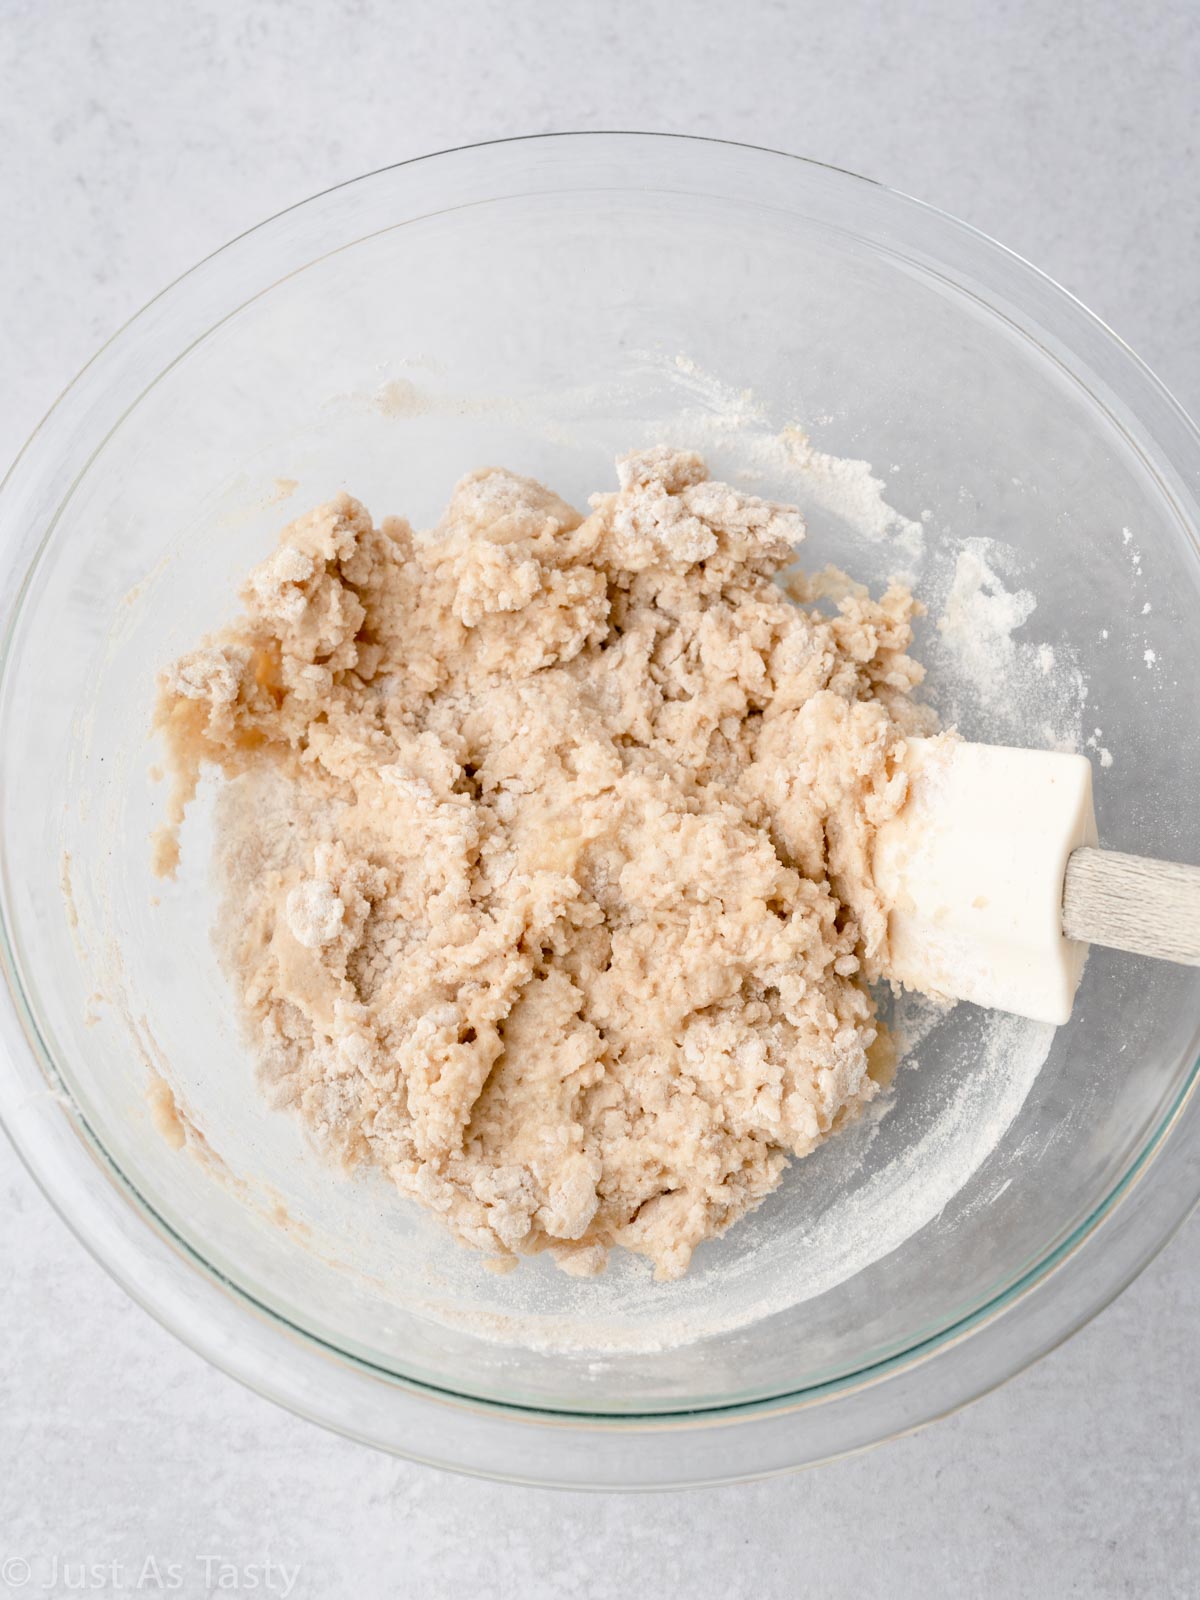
{"x":410,"y":329}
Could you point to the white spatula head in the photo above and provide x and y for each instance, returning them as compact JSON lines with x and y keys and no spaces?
{"x":972,"y":869}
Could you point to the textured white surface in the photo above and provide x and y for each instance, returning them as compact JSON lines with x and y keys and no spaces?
{"x":136,"y":138}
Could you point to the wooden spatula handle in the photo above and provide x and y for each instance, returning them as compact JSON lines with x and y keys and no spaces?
{"x":1151,"y":908}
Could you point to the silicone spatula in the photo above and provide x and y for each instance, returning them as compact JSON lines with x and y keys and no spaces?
{"x":995,"y":885}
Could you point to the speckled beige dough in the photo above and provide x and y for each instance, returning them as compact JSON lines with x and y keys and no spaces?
{"x":546,"y":854}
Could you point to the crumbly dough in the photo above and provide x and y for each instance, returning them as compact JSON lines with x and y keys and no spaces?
{"x":546,"y":854}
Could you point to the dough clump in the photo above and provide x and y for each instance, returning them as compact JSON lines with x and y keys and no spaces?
{"x":546,"y":854}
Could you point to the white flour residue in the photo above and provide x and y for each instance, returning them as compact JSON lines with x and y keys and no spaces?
{"x":1145,"y":635}
{"x":1006,"y":1054}
{"x":992,"y":685}
{"x":1093,"y":743}
{"x":733,"y":419}
{"x":914,"y":1017}
{"x":850,"y":490}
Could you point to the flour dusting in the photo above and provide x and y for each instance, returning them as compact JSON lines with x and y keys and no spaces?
{"x":850,"y":490}
{"x":992,"y":684}
{"x":842,"y":486}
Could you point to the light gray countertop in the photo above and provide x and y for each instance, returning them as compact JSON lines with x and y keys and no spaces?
{"x":136,"y":138}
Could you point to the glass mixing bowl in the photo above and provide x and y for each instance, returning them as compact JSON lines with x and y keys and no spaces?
{"x":546,"y":303}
